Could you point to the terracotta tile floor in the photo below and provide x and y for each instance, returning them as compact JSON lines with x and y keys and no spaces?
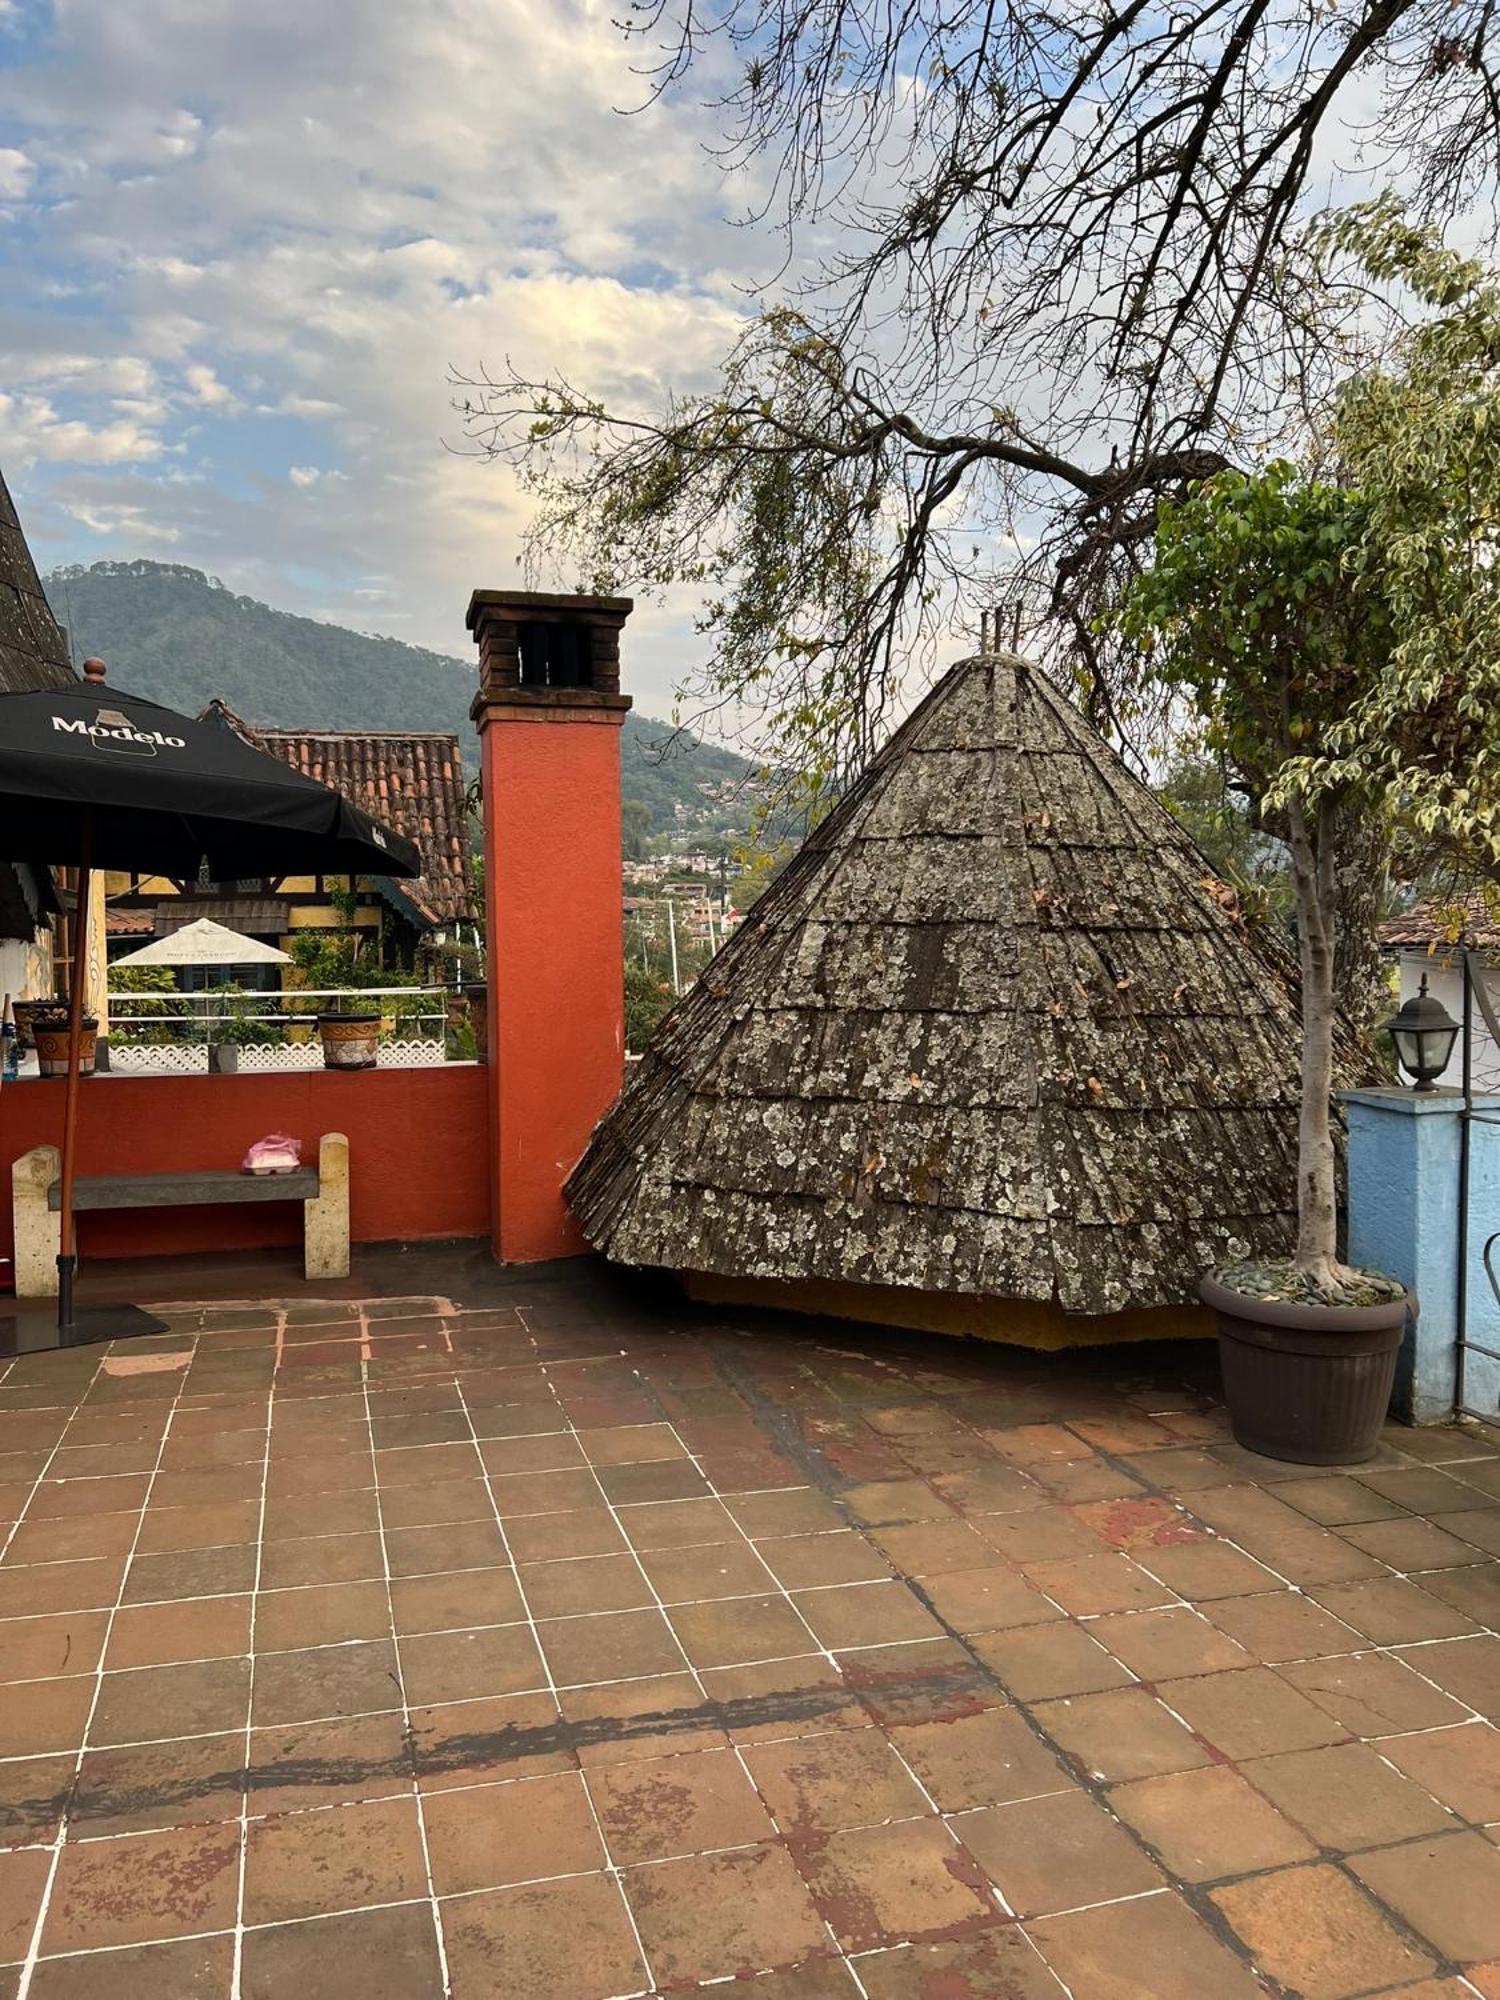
{"x":564,"y":1646}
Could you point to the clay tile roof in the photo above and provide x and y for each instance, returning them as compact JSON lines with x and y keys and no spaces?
{"x":414,"y":783}
{"x":996,"y":1030}
{"x":251,"y":916}
{"x":33,"y":651}
{"x":1472,"y":919}
{"x":121,"y":922}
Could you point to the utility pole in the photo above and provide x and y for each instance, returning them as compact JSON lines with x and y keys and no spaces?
{"x":672,"y":927}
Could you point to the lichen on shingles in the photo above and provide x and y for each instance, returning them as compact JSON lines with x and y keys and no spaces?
{"x":995,"y":1030}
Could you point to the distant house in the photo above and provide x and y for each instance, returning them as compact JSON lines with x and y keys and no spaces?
{"x":1428,"y":942}
{"x":33,"y":656}
{"x":994,"y":1054}
{"x":413,"y":782}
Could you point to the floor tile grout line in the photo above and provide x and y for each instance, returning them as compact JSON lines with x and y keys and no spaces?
{"x":838,"y":1668}
{"x":1301,"y":1591}
{"x":778,"y":1588}
{"x":407,"y":1733}
{"x":1370,"y":1648}
{"x":735,"y":1747}
{"x":28,"y":1970}
{"x":1026,"y":1709}
{"x":22,"y":1517}
{"x":612,"y":1868}
{"x":741,"y":1493}
{"x":1292,"y":1588}
{"x":566,"y":1687}
{"x":328,"y":1808}
{"x":321,"y":1808}
{"x":237,"y":1962}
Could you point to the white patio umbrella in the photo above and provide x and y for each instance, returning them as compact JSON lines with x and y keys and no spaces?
{"x":205,"y":943}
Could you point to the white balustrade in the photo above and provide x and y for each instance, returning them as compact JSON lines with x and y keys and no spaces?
{"x":137,"y":1046}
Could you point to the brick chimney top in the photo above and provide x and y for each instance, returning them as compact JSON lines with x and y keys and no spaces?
{"x":539,"y":649}
{"x":546,"y":604}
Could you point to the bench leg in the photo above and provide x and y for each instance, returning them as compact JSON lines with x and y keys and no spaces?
{"x":325,"y":1229}
{"x":38,"y":1229}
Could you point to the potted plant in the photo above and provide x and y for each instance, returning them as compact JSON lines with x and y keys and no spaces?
{"x":23,"y":1012}
{"x":1254,"y":608}
{"x":1341,"y":647}
{"x":329,"y":962}
{"x":349,"y":1029}
{"x":49,"y":1032}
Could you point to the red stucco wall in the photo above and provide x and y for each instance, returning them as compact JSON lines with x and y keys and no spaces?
{"x":556,"y":955}
{"x":418,"y":1151}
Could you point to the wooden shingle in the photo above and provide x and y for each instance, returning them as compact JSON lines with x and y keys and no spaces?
{"x":995,"y":1030}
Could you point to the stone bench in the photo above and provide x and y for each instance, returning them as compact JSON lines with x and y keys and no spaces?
{"x":36,"y":1198}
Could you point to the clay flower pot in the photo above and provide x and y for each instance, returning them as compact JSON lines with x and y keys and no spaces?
{"x":51,"y":1039}
{"x":350,"y":1038}
{"x":1306,"y":1382}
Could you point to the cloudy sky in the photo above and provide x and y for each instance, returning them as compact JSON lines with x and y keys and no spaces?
{"x":243,"y":241}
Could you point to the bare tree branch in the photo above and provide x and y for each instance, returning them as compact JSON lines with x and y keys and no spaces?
{"x":1071,"y":278}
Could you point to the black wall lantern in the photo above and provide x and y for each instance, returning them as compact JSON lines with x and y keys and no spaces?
{"x":1424,"y":1033}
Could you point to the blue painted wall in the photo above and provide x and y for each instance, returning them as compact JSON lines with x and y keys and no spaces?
{"x":1403,"y":1218}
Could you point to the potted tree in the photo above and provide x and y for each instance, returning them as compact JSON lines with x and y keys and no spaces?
{"x":328,"y":960}
{"x":1339,"y":637}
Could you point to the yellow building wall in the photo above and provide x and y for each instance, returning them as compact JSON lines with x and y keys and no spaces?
{"x":321,"y":917}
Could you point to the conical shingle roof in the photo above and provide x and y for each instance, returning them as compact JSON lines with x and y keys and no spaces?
{"x":33,"y":655}
{"x":996,"y":1030}
{"x":33,"y":652}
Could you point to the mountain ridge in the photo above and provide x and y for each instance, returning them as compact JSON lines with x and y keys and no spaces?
{"x":179,"y":635}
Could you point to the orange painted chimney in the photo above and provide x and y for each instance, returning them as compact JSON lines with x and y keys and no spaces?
{"x":549,"y":711}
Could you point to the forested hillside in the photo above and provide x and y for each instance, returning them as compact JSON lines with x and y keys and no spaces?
{"x":178,"y":636}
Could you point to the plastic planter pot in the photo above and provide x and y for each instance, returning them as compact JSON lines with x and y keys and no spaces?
{"x":1309,"y":1383}
{"x":350,"y":1039}
{"x":52,"y":1046}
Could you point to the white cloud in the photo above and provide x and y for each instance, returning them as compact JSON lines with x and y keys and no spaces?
{"x":16,"y":171}
{"x":80,"y":374}
{"x":203,"y":386}
{"x":328,"y":217}
{"x":133,"y":524}
{"x":33,"y":432}
{"x":299,"y":406}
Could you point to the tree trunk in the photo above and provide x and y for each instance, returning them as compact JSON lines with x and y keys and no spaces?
{"x":1361,"y":874}
{"x":1315,"y":875}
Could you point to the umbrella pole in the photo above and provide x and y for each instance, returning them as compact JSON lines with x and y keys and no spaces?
{"x":67,"y":1261}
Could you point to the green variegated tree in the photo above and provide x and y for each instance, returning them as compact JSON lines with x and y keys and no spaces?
{"x":1339,"y":635}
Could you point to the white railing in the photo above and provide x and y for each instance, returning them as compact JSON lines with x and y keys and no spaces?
{"x":191,"y":1058}
{"x":170,"y":1033}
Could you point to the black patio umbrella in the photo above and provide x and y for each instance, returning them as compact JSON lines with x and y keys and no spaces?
{"x":93,"y":777}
